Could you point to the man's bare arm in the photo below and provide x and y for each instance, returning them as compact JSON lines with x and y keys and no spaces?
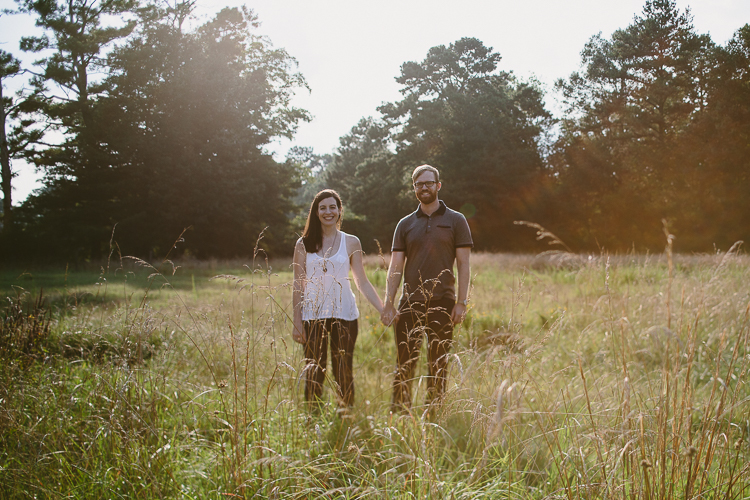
{"x":395,"y":270}
{"x":463,"y":258}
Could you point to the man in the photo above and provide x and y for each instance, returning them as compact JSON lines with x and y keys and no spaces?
{"x":428,"y":242}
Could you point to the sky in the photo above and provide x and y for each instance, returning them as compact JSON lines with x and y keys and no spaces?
{"x":351,"y":51}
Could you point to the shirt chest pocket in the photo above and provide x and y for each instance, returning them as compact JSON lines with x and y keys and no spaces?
{"x":444,"y":234}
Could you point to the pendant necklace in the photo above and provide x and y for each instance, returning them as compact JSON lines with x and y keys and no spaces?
{"x":325,"y":266}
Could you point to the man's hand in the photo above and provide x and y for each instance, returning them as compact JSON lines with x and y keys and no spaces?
{"x":389,"y":314}
{"x":463,"y":258}
{"x":459,"y":313}
{"x":298,"y":333}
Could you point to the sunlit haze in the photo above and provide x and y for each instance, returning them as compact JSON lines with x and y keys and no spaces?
{"x":350,"y":51}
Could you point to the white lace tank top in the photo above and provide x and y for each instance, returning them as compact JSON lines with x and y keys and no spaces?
{"x":328,"y":293}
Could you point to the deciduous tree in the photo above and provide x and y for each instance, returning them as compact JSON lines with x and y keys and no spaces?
{"x":188,"y":116}
{"x":480,"y":127}
{"x":626,"y":114}
{"x":715,"y":154}
{"x":172,"y":137}
{"x":372,"y":182}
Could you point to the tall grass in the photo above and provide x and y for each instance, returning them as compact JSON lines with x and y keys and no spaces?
{"x":577,"y":377}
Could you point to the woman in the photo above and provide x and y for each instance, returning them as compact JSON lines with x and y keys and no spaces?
{"x":324,"y":306}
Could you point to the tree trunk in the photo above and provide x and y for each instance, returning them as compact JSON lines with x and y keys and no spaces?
{"x":5,"y":169}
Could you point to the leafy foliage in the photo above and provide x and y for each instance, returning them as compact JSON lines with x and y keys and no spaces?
{"x":18,"y":132}
{"x":189,"y":115}
{"x":716,"y":154}
{"x":640,"y":120}
{"x":477,"y":125}
{"x":172,"y":138}
{"x":163,"y":131}
{"x":372,"y":182}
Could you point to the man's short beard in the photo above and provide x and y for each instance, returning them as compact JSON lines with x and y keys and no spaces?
{"x":432,"y":197}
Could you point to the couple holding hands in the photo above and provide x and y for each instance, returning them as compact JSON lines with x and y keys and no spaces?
{"x":425,"y":246}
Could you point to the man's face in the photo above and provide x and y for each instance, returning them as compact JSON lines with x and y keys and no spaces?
{"x":426,"y":187}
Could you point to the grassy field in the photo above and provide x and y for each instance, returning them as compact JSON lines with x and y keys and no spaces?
{"x":572,"y":377}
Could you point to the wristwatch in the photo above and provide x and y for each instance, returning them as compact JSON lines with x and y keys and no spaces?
{"x":465,"y":302}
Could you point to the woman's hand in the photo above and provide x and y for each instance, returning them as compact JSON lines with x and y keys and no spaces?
{"x":389,"y":315}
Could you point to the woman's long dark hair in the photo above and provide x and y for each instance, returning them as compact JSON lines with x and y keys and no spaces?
{"x":312,"y":236}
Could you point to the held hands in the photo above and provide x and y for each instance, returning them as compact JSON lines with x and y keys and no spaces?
{"x":389,"y":315}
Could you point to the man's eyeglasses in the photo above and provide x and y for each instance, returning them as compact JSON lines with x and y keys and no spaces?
{"x":427,"y":184}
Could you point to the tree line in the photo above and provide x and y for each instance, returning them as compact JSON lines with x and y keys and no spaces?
{"x":150,"y":134}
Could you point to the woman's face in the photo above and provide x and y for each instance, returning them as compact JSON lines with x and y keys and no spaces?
{"x":328,"y":212}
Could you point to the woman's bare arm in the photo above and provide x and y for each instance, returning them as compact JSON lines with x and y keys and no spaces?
{"x":298,"y":290}
{"x":354,"y":249}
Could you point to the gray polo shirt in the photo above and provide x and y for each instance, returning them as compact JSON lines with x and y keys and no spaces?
{"x":429,"y":243}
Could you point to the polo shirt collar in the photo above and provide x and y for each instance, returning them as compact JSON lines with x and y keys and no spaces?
{"x":439,"y":211}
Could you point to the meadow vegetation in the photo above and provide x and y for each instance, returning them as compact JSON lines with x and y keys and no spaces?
{"x":573,"y":376}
